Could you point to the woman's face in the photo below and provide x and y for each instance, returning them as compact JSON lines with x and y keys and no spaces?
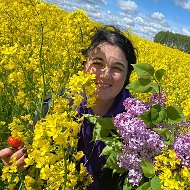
{"x":110,"y":65}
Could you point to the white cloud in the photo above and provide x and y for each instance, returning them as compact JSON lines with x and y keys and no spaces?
{"x":87,"y":7}
{"x":143,"y":25}
{"x":185,"y":4}
{"x":108,"y":11}
{"x":185,"y":31}
{"x":128,"y":21}
{"x":139,"y":20}
{"x":63,"y":4}
{"x":96,"y":15}
{"x":92,"y":1}
{"x":127,"y":5}
{"x":158,"y":16}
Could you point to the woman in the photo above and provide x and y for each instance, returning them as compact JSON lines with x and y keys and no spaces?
{"x":110,"y":56}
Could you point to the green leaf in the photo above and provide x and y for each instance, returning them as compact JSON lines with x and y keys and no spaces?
{"x":91,"y":118}
{"x":146,"y":117}
{"x":111,"y":163}
{"x":127,"y":185}
{"x":157,"y":114}
{"x":145,"y":186}
{"x":162,"y":132}
{"x":144,"y":71}
{"x":148,"y":168}
{"x":166,"y":134}
{"x":159,"y":74}
{"x":155,"y":183}
{"x":107,"y":123}
{"x":113,"y":145}
{"x":174,"y":114}
{"x":155,"y":88}
{"x":154,"y":116}
{"x":103,"y":126}
{"x":140,"y":85}
{"x":107,"y":150}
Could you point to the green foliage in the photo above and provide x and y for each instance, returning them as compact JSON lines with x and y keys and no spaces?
{"x":127,"y":185}
{"x":145,"y":186}
{"x":181,"y":42}
{"x":144,"y":71}
{"x":154,"y":116}
{"x":174,"y":114}
{"x":102,"y":126}
{"x":155,"y":183}
{"x":159,"y":74}
{"x":103,"y":130}
{"x":149,"y":79}
{"x":148,"y":168}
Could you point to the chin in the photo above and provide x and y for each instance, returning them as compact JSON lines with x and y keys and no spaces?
{"x":104,"y":97}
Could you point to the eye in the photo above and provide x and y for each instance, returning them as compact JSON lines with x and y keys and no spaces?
{"x":117,"y":68}
{"x":97,"y":63}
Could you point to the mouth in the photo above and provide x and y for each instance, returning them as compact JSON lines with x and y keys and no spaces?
{"x":103,"y":85}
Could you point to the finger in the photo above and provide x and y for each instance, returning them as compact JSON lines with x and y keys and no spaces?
{"x":20,"y":161}
{"x":6,"y":152}
{"x":18,"y":154}
{"x":5,"y":155}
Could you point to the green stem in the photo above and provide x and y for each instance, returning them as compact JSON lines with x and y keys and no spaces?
{"x":21,"y":186}
{"x":1,"y":107}
{"x":159,"y":89}
{"x":36,"y":178}
{"x":42,"y":66}
{"x":65,"y":177}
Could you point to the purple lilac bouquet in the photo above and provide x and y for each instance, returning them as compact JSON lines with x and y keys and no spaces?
{"x":150,"y":141}
{"x":139,"y":142}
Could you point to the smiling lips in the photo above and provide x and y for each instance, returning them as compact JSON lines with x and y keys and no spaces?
{"x":103,"y":85}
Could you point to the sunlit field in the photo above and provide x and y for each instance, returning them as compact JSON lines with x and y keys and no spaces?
{"x":41,"y":51}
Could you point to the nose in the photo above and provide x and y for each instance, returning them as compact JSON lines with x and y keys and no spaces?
{"x":105,"y":73}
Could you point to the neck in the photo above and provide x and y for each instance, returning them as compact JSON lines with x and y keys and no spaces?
{"x":102,"y":106}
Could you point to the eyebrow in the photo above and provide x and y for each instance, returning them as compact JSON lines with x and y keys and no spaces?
{"x":119,"y":63}
{"x":101,"y":59}
{"x":97,"y":58}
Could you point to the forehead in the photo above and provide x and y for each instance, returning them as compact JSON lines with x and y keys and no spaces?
{"x":107,"y":50}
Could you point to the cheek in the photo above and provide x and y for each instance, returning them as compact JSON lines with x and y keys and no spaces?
{"x":120,"y":77}
{"x":91,"y":70}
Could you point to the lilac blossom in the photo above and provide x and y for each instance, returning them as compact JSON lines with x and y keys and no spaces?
{"x":182,"y":149}
{"x":184,"y":123}
{"x":139,"y":142}
{"x":134,"y":177}
{"x":158,"y":98}
{"x":134,"y":107}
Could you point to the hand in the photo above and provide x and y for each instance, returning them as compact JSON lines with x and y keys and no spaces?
{"x":7,"y":154}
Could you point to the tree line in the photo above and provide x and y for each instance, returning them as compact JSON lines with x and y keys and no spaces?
{"x":181,"y":42}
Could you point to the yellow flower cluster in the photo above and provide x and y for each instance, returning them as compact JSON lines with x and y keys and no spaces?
{"x":41,"y":53}
{"x":84,"y":83}
{"x":41,"y":48}
{"x":10,"y":174}
{"x":170,"y":172}
{"x":52,"y":150}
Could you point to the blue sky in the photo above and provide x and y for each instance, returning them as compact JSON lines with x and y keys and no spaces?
{"x":145,"y":17}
